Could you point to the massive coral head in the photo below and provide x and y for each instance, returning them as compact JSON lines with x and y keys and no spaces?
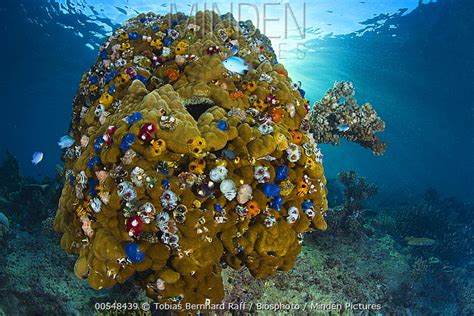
{"x":193,"y":153}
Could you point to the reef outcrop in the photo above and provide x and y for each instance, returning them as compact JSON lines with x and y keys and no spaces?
{"x":337,"y":115}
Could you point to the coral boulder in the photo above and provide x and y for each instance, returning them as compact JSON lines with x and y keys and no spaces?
{"x":192,"y":152}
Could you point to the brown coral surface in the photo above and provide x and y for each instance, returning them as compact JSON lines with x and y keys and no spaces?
{"x":185,"y":160}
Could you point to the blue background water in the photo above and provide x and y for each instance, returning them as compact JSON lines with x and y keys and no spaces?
{"x":414,"y":65}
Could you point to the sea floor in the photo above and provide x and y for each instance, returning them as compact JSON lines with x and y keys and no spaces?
{"x":36,"y":278}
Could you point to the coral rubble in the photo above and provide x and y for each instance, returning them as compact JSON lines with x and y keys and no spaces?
{"x":191,"y":150}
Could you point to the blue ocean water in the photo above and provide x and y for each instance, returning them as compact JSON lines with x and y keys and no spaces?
{"x":411,"y":59}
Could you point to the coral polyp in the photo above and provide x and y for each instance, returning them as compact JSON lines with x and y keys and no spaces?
{"x":193,"y":152}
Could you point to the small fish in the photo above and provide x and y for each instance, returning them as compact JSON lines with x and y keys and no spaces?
{"x":302,"y":92}
{"x":37,"y":157}
{"x":342,"y":127}
{"x":236,"y":64}
{"x":229,"y":154}
{"x":121,"y":10}
{"x":234,"y":50}
{"x":66,"y":141}
{"x":164,"y":5}
{"x":268,"y":157}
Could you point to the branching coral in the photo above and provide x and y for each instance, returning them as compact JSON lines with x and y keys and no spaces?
{"x":356,"y":189}
{"x":338,"y":115}
{"x":4,"y":226}
{"x":348,"y":218}
{"x":192,"y":150}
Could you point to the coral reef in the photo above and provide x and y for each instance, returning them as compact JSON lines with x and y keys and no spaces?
{"x":32,"y":282}
{"x":191,"y":150}
{"x":338,"y":115}
{"x":437,"y":234}
{"x":332,"y":268}
{"x":332,"y":271}
{"x":328,"y":271}
{"x":423,"y":221}
{"x":21,"y":196}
